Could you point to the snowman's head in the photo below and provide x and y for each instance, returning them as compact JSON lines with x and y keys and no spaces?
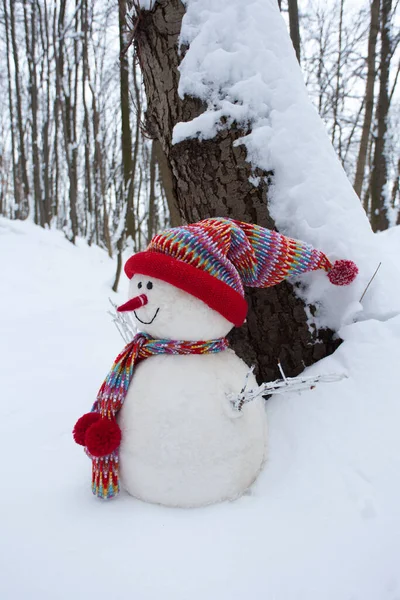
{"x":166,"y":312}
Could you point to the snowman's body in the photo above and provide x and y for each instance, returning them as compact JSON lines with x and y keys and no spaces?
{"x":183,"y":444}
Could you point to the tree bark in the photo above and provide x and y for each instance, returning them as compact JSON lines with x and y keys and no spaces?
{"x":67,"y":89}
{"x":294,"y":26}
{"x":23,"y":213}
{"x":126,"y":142}
{"x":167,"y":184}
{"x":47,"y":117}
{"x":378,"y":192}
{"x":16,"y":185}
{"x":369,"y":98}
{"x":91,"y":216}
{"x":30,"y":42}
{"x":126,"y":134}
{"x":395,"y":191}
{"x":151,"y":217}
{"x":211,"y":178}
{"x":336,"y":124}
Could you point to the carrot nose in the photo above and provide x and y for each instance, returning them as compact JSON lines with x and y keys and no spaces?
{"x":133,"y":303}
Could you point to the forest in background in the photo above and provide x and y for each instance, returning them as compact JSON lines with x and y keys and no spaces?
{"x":75,"y":149}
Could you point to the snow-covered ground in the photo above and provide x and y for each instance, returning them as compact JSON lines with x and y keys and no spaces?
{"x":321,"y":523}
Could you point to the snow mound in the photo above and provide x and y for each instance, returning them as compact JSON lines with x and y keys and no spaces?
{"x":322,"y":521}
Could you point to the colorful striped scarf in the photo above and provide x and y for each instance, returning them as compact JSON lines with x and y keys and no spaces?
{"x":112,"y":393}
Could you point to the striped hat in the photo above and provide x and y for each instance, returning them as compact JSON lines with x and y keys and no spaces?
{"x":214,"y":259}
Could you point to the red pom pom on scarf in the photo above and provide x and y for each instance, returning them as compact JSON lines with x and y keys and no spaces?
{"x":103,"y":438}
{"x":343,"y":272}
{"x":82,"y":425}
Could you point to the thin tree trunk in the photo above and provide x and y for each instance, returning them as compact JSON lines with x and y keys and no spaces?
{"x":22,"y":155}
{"x":126,"y":134}
{"x":338,"y":80}
{"x":369,"y":98}
{"x":131,"y":222}
{"x":395,"y":192}
{"x":211,"y":178}
{"x":16,"y":185}
{"x":57,"y":50}
{"x":152,"y":195}
{"x":46,"y":174}
{"x":379,"y":200}
{"x":30,"y":42}
{"x":67,"y":89}
{"x":294,"y":26}
{"x":85,"y":75}
{"x":73,"y":93}
{"x":126,"y":140}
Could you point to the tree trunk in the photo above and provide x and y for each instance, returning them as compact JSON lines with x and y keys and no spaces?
{"x":167,"y":184}
{"x":379,"y":199}
{"x":211,"y":178}
{"x":90,"y":216}
{"x":336,"y":124}
{"x":369,"y":98}
{"x":72,"y":128}
{"x":16,"y":185}
{"x":126,"y":134}
{"x":57,"y":49}
{"x":294,"y":26}
{"x":30,"y":42}
{"x":395,"y":192}
{"x":126,"y":142}
{"x":47,"y":117}
{"x":151,"y":217}
{"x":23,"y":213}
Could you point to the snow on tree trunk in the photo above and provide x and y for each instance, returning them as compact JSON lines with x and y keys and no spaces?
{"x":227,"y":101}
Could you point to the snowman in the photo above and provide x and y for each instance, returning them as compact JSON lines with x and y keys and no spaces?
{"x":164,"y":426}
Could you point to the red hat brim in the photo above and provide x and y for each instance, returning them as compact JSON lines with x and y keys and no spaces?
{"x":212,"y":291}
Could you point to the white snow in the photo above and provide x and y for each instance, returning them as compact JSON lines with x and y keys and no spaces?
{"x":322,"y":521}
{"x":241,"y":62}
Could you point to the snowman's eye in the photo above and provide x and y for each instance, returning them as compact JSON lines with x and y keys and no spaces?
{"x":139,"y":285}
{"x":149,"y":285}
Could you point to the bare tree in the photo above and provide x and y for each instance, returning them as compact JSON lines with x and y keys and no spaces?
{"x":127,"y":190}
{"x":369,"y":97}
{"x":152,"y":196}
{"x":20,"y":123}
{"x":17,"y":195}
{"x":336,"y":101}
{"x":30,"y":41}
{"x":395,"y":190}
{"x":378,"y":191}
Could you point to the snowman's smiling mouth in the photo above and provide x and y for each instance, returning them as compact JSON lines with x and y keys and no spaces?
{"x":146,"y":322}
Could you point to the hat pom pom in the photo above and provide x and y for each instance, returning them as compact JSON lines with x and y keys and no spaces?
{"x":103,"y":438}
{"x":82,"y":425}
{"x":343,"y":272}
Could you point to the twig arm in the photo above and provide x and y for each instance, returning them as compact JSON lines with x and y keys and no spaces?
{"x":280,"y":386}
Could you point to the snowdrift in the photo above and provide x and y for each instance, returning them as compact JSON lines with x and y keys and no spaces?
{"x":322,"y":521}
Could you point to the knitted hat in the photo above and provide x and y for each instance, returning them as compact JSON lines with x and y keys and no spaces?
{"x":213,"y":259}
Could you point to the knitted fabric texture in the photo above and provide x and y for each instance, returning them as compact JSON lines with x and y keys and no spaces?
{"x":239,"y":253}
{"x":227,"y":256}
{"x":112,"y":393}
